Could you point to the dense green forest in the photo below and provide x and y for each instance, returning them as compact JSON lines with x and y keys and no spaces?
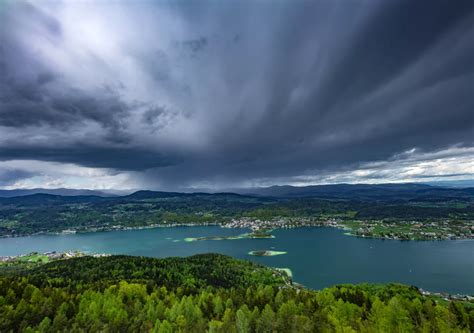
{"x":53,"y":213}
{"x":207,"y":293}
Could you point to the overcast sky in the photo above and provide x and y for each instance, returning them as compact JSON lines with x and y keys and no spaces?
{"x":220,"y":94}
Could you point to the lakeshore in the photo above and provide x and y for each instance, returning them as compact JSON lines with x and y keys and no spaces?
{"x":35,"y":258}
{"x":403,"y":230}
{"x":111,"y":228}
{"x":399,"y":230}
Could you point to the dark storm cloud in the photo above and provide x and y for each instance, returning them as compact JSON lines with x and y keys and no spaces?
{"x":90,"y":156}
{"x":385,"y":45}
{"x":214,"y":92}
{"x":158,"y":117}
{"x":33,"y":103}
{"x":10,"y":176}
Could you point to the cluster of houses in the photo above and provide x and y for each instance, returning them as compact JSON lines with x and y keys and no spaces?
{"x":276,"y":223}
{"x":51,"y":255}
{"x":417,"y":230}
{"x":448,"y":297}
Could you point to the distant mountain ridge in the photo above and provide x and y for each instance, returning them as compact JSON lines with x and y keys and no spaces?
{"x":361,"y":191}
{"x":407,"y":191}
{"x":56,"y":191}
{"x":52,"y":199}
{"x":149,"y":194}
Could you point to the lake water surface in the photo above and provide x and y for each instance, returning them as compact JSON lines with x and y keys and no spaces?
{"x":318,"y":257}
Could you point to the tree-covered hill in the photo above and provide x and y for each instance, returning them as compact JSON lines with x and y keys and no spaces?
{"x":136,"y":294}
{"x":198,"y":271}
{"x":365,"y":192}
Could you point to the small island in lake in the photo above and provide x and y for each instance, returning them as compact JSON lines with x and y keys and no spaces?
{"x":252,"y":235}
{"x":266,"y":253}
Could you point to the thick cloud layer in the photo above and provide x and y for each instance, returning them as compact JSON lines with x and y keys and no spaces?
{"x":179,"y":94}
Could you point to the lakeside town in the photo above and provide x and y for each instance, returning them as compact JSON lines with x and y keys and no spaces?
{"x":396,"y":230}
{"x":446,"y":296}
{"x":43,"y":258}
{"x":414,"y":230}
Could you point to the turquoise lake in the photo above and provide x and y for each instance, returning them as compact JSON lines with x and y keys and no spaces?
{"x":318,"y":257}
